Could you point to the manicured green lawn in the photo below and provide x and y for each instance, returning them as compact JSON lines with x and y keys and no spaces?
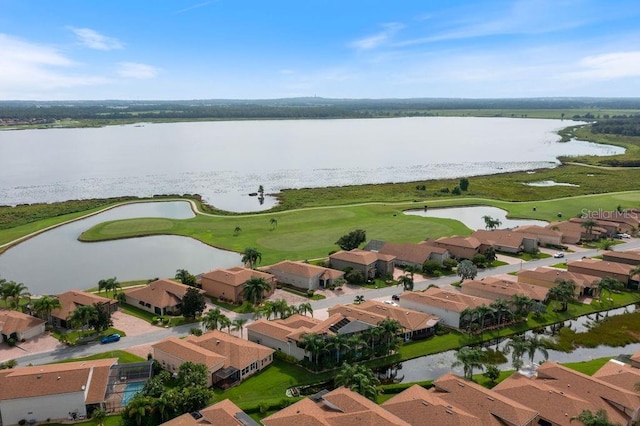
{"x":123,"y":357}
{"x":73,"y":336}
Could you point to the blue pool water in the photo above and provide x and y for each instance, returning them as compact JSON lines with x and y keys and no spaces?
{"x":130,"y":391}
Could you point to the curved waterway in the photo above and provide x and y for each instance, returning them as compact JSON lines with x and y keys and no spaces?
{"x":56,"y":261}
{"x":471,"y":217}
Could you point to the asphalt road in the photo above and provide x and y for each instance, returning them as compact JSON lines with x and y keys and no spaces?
{"x":91,"y":349}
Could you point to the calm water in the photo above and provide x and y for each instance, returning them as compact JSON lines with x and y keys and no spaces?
{"x":56,"y":261}
{"x":225,"y":161}
{"x":472,"y":216}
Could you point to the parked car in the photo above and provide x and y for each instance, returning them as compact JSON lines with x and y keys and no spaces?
{"x":624,"y":235}
{"x":390,"y":302}
{"x":110,"y":338}
{"x":558,"y":255}
{"x":395,"y":297}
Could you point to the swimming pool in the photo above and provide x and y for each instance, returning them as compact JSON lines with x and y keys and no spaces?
{"x":130,"y":391}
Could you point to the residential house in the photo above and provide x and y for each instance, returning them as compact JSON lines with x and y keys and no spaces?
{"x":602,"y":228}
{"x":602,"y":269}
{"x":619,"y":374}
{"x":223,"y":413}
{"x":303,"y":275}
{"x":228,"y":359}
{"x":545,"y":236}
{"x":635,"y":359}
{"x":506,"y":240}
{"x":161,"y":297}
{"x":18,"y":326}
{"x":458,"y":247}
{"x":586,"y":284}
{"x":415,"y":325}
{"x":498,"y":288}
{"x":559,"y":394}
{"x":444,"y":304}
{"x":228,"y":284}
{"x":574,"y":232}
{"x":281,"y":334}
{"x":371,"y":264}
{"x":338,"y":407}
{"x":630,"y":257}
{"x":72,"y":299}
{"x":628,"y":220}
{"x":53,"y":392}
{"x":242,"y":357}
{"x":410,"y":254}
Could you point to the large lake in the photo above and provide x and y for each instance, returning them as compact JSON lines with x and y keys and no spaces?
{"x":225,"y":161}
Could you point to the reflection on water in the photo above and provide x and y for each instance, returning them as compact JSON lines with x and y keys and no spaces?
{"x":56,"y":261}
{"x":430,"y":367}
{"x":472,"y":216}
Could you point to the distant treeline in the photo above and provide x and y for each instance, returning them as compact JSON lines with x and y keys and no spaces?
{"x":618,"y":125}
{"x":34,"y":112}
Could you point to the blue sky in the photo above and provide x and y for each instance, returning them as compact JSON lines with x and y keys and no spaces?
{"x":239,"y":49}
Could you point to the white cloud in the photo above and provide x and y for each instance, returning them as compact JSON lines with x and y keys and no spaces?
{"x":136,"y":70}
{"x":195,"y":6}
{"x":608,"y":66}
{"x":373,"y":41}
{"x":94,"y":40}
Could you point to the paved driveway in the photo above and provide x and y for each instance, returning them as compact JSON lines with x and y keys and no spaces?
{"x":41,"y":344}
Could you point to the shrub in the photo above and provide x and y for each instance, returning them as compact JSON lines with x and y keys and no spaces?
{"x":449,"y":264}
{"x":444,"y":190}
{"x":11,"y":342}
{"x":430,"y":266}
{"x":310,"y":293}
{"x":456,"y":191}
{"x":196,"y":331}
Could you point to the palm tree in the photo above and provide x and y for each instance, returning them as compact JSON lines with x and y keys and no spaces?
{"x":81,"y":316}
{"x":522,"y":304}
{"x":390,"y":328}
{"x":483,"y":311}
{"x":161,"y":405}
{"x":357,"y":344}
{"x":535,"y":344}
{"x":238,"y":324}
{"x":587,"y":418}
{"x":406,"y":281}
{"x":411,"y":270}
{"x":109,"y":284}
{"x":305,"y":308}
{"x":608,"y":284}
{"x":281,"y":308}
{"x":251,"y":256}
{"x":358,"y":299}
{"x":338,"y":343}
{"x":563,"y":292}
{"x":634,"y":272}
{"x":17,"y":293}
{"x":98,"y":415}
{"x":501,"y":308}
{"x":185,"y":277}
{"x":254,"y":289}
{"x":213,"y":319}
{"x":517,"y":347}
{"x":469,"y":359}
{"x":467,"y":317}
{"x":45,"y":305}
{"x":314,"y":344}
{"x":491,"y":223}
{"x":225,"y":322}
{"x":258,"y":312}
{"x":139,"y":407}
{"x":588,"y":225}
{"x":358,"y":378}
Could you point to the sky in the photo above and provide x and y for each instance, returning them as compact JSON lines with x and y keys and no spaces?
{"x":260,"y":49}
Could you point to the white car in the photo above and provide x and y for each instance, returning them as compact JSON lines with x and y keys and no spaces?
{"x":390,"y":302}
{"x":624,"y":235}
{"x":558,"y":255}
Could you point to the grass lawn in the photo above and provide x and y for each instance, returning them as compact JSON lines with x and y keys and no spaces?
{"x":73,"y":336}
{"x":123,"y":357}
{"x":149,"y":317}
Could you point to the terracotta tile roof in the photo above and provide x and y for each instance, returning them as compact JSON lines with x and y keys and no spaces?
{"x":490,"y":407}
{"x":320,"y":328}
{"x":304,"y":269}
{"x":236,"y":276}
{"x":628,"y":255}
{"x":409,"y":252}
{"x":53,"y":379}
{"x":619,"y":374}
{"x":635,"y":357}
{"x":550,"y":275}
{"x":599,"y":223}
{"x":161,"y":293}
{"x":188,"y":351}
{"x":601,"y":266}
{"x":501,"y":237}
{"x":373,"y":312}
{"x":416,"y":404}
{"x":71,"y":299}
{"x":580,"y":392}
{"x":538,"y":230}
{"x":451,"y":300}
{"x":336,"y":408}
{"x":495,"y":288}
{"x":238,"y":353}
{"x":297,"y":320}
{"x":223,"y":413}
{"x":17,"y":322}
{"x":629,"y":217}
{"x":356,"y":256}
{"x":272,"y":329}
{"x":458,"y":241}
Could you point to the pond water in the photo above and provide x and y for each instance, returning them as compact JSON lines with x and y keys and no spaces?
{"x":226,"y":161}
{"x":548,"y":183}
{"x":431,"y":367}
{"x":56,"y":261}
{"x":471,"y":217}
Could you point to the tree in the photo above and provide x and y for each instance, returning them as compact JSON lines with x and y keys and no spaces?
{"x":469,"y":359}
{"x":352,"y":240}
{"x":338,"y":343}
{"x":588,"y":225}
{"x":522,"y":304}
{"x":467,"y":270}
{"x":517,"y":347}
{"x":82,"y":316}
{"x":355,"y":276}
{"x":192,"y":374}
{"x":98,"y":415}
{"x":563,"y":292}
{"x":237,"y":231}
{"x":358,"y":299}
{"x":45,"y":305}
{"x":501,"y":308}
{"x":430,"y":267}
{"x":608,"y":285}
{"x":490,"y":255}
{"x":13,"y":293}
{"x":109,"y":284}
{"x":479,"y":260}
{"x":587,"y":418}
{"x":492,"y":373}
{"x":212,"y":319}
{"x":185,"y":277}
{"x":606,"y":244}
{"x":305,"y":308}
{"x":491,"y":223}
{"x":535,"y":344}
{"x":406,"y":282}
{"x":483,"y":311}
{"x":464,"y":184}
{"x":251,"y":256}
{"x":238,"y":324}
{"x":358,"y":378}
{"x":538,"y":308}
{"x":225,"y":322}
{"x":390,"y":328}
{"x":101,"y":321}
{"x":633,"y":273}
{"x":193,"y":303}
{"x":314,"y":344}
{"x":254,"y":289}
{"x":138,"y":410}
